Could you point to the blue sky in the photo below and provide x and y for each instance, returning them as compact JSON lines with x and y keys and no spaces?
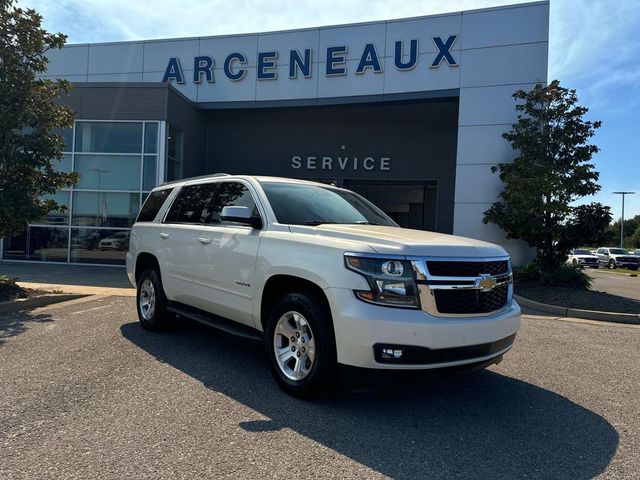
{"x":594,"y":48}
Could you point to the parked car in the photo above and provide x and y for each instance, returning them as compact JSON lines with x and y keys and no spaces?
{"x":617,"y":258}
{"x":583,"y":258}
{"x":637,"y":252}
{"x":320,"y":275}
{"x":116,"y":241}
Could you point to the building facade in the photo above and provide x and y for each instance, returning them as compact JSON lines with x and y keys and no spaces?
{"x":408,"y":113}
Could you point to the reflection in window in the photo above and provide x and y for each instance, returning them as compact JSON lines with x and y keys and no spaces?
{"x":175,"y":146}
{"x":45,"y":244}
{"x":105,"y":209}
{"x":108,"y":172}
{"x":90,"y":245}
{"x":64,"y":165}
{"x":149,"y":172}
{"x":67,"y":135}
{"x":57,"y":217}
{"x":109,"y":137}
{"x":151,"y":138}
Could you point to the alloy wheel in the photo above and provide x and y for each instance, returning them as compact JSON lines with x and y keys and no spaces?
{"x":294,"y":346}
{"x":147,"y":300}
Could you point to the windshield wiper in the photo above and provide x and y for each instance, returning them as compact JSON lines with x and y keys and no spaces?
{"x":315,"y":223}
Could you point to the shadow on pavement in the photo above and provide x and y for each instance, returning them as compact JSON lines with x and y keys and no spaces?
{"x":482,"y":425}
{"x":13,"y":324}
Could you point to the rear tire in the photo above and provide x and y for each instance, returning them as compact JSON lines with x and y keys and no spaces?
{"x":151,"y":302}
{"x":300,"y":344}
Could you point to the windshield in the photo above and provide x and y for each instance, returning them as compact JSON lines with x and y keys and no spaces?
{"x":299,"y":204}
{"x":581,"y":252}
{"x":618,"y":251}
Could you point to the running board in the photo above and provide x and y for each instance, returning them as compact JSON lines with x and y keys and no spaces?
{"x":216,"y":321}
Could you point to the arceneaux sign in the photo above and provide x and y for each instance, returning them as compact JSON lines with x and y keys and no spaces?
{"x":300,"y":62}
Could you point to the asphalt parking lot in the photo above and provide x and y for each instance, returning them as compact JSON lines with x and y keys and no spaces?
{"x":616,"y":284}
{"x":86,"y":393}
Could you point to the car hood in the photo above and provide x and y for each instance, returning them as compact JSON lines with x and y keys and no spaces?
{"x":404,"y":241}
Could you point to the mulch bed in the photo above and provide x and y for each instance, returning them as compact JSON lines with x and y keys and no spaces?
{"x":573,"y":298}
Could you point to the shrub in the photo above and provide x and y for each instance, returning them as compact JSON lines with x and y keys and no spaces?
{"x":562,"y":275}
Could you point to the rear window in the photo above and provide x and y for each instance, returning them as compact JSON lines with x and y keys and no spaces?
{"x":153,"y":204}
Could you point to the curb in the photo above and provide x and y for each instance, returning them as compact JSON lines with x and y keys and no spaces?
{"x":19,"y":304}
{"x":628,"y":318}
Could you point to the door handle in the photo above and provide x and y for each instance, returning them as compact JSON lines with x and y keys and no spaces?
{"x":204,"y":240}
{"x":164,"y":235}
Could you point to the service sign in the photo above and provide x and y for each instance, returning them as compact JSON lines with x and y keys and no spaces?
{"x":300,"y":62}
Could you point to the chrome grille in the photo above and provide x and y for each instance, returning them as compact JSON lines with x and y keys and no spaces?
{"x":459,"y":287}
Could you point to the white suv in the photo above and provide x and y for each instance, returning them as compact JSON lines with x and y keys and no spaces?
{"x":321,"y":276}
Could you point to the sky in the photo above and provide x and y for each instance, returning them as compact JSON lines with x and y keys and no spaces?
{"x":594,"y":47}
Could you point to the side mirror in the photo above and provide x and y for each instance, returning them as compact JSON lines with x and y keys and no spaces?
{"x":240,"y":215}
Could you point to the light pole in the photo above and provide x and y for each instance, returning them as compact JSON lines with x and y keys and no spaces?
{"x":622,"y":221}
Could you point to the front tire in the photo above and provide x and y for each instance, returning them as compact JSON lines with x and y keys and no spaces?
{"x":151,"y":302}
{"x":612,"y":264}
{"x":300,"y":344}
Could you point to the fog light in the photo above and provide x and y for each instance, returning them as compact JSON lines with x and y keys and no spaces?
{"x":391,"y":353}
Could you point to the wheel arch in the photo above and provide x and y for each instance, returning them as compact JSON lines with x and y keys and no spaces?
{"x":280,"y":284}
{"x":145,"y":260}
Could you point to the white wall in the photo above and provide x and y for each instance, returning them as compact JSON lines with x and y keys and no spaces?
{"x":499,"y":50}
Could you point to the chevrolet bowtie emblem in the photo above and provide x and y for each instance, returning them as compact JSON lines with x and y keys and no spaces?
{"x":486,"y":282}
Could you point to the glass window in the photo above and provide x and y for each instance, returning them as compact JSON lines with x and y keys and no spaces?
{"x":109,"y":137}
{"x":150,"y":138}
{"x":67,"y":135}
{"x":153,"y":204}
{"x":190,"y":205}
{"x":45,"y":244}
{"x":89,"y":245}
{"x":149,"y":172}
{"x":108,"y":172}
{"x":105,"y":209}
{"x":229,"y":194}
{"x":174,"y":153}
{"x":64,"y":165}
{"x":314,"y":205}
{"x":57,"y":217}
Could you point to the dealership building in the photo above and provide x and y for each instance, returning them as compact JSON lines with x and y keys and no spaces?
{"x":409,"y":113}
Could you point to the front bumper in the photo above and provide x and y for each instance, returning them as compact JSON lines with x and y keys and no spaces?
{"x":360,"y":326}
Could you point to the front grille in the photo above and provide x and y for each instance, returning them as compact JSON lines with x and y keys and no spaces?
{"x":462,"y":301}
{"x":466,"y":269}
{"x":627,"y":259}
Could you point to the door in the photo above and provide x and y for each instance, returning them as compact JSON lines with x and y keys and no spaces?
{"x":182,"y":245}
{"x":409,"y":204}
{"x":229,"y":260}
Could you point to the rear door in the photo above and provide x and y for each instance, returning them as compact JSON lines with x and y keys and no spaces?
{"x":183,"y":245}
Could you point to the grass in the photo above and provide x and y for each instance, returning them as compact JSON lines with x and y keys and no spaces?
{"x":633,"y":273}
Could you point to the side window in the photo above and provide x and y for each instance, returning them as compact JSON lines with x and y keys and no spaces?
{"x":600,"y":251}
{"x":153,"y":204}
{"x":191,"y":203}
{"x":229,"y":194}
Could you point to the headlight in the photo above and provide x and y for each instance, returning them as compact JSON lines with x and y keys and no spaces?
{"x":391,"y":281}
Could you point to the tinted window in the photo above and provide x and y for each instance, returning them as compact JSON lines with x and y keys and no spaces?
{"x":229,"y":194}
{"x":314,"y":205}
{"x":618,"y":251}
{"x":109,"y":137}
{"x":191,"y":204}
{"x":581,"y":252}
{"x":152,"y":205}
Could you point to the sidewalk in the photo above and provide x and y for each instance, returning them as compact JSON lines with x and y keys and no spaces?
{"x":70,"y":278}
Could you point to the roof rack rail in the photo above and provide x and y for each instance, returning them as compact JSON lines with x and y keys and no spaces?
{"x":210,"y":175}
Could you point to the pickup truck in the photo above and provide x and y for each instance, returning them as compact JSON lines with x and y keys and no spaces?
{"x":321,"y":276}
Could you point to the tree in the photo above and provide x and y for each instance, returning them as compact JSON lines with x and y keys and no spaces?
{"x":29,"y":150}
{"x":552,"y":171}
{"x":631,"y":226}
{"x":587,"y":226}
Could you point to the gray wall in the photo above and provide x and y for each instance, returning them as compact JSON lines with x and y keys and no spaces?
{"x":182,"y":114}
{"x":419,"y":138}
{"x":118,"y":101}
